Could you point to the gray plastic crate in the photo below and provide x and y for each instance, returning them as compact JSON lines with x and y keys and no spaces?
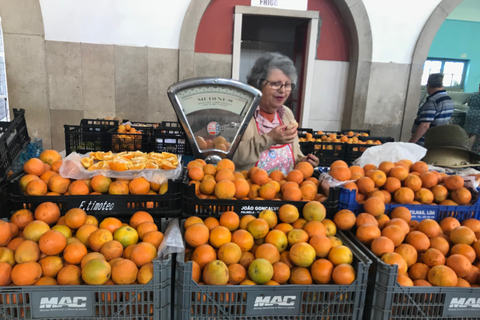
{"x":295,"y":302}
{"x":386,"y":299}
{"x":148,"y":301}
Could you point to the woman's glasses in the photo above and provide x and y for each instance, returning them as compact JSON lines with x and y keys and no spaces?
{"x":278,"y":85}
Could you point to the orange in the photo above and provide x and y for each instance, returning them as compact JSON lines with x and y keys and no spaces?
{"x":321,"y":244}
{"x":143,"y":253}
{"x":379,"y":177}
{"x":51,"y":265}
{"x":419,"y":166}
{"x":386,"y":166}
{"x":292,"y":194}
{"x":215,"y":273}
{"x":111,"y":224}
{"x":226,"y":164}
{"x":258,"y":228}
{"x":83,"y":233}
{"x":306,"y":168}
{"x":394,"y":233}
{"x":47,"y":212}
{"x":97,"y":272}
{"x":344,"y":219}
{"x":288,"y":213}
{"x":433,"y":257}
{"x":404,"y":195}
{"x":442,"y":276}
{"x":340,"y":254}
{"x":26,"y":274}
{"x":424,"y":196}
{"x":153,"y":237}
{"x":314,"y":210}
{"x":365,"y":185}
{"x":243,"y":239}
{"x":392,"y":184}
{"x":145,"y":273}
{"x":126,"y":235}
{"x":244,"y":220}
{"x":462,"y":196}
{"x":402,"y":213}
{"x":399,"y":172}
{"x":418,"y":271}
{"x":367,"y":232}
{"x":338,"y":163}
{"x":34,"y":166}
{"x":196,"y":234}
{"x":267,"y":251}
{"x":281,"y":272}
{"x":36,"y":187}
{"x":296,"y":176}
{"x":340,"y":173}
{"x":99,"y":237}
{"x":74,"y":253}
{"x":343,"y":274}
{"x":50,"y":156}
{"x":429,"y":179}
{"x":118,"y":187}
{"x":52,"y":242}
{"x":418,"y":240}
{"x":224,"y":189}
{"x":27,"y":250}
{"x":375,"y":206}
{"x":413,"y":182}
{"x":25,"y":179}
{"x":268,"y":191}
{"x":236,"y":273}
{"x":138,"y":217}
{"x":462,"y":234}
{"x":21,"y":218}
{"x":453,"y":182}
{"x":111,"y":249}
{"x":259,"y":177}
{"x":100,"y":183}
{"x":364,"y":217}
{"x":230,"y":220}
{"x":276,"y":175}
{"x":441,"y":243}
{"x":395,"y":258}
{"x":78,"y":187}
{"x":75,"y":218}
{"x":219,"y":236}
{"x":430,"y":227}
{"x":301,"y":276}
{"x":139,"y":185}
{"x":203,"y":254}
{"x":382,"y":245}
{"x":321,"y":271}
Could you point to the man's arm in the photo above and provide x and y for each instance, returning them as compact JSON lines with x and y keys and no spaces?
{"x":422,"y":128}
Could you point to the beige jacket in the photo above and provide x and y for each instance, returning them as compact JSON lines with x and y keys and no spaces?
{"x":252,"y":144}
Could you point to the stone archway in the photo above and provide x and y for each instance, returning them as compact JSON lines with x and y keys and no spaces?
{"x":420,"y":54}
{"x":356,"y":18}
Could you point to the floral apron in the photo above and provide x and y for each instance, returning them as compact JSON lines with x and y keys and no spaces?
{"x":277,"y":157}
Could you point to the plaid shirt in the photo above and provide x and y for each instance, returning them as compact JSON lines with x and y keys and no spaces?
{"x":265,"y":126}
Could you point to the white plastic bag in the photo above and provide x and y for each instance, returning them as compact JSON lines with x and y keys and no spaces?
{"x":72,"y":168}
{"x":172,"y":240}
{"x":391,"y":151}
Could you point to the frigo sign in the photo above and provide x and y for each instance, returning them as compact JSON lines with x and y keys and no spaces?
{"x":274,"y":303}
{"x":62,"y":304}
{"x":281,"y":4}
{"x":463,"y":303}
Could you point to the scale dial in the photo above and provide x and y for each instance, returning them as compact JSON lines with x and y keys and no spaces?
{"x":214,"y":113}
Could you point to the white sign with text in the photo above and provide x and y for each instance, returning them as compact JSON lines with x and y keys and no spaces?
{"x":281,"y":4}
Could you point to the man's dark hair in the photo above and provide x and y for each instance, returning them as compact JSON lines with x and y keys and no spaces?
{"x":435,"y":80}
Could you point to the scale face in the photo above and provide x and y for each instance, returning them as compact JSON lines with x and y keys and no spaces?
{"x":214,"y":113}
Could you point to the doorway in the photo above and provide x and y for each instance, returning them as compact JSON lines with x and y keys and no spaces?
{"x":275,"y":34}
{"x":294,"y":35}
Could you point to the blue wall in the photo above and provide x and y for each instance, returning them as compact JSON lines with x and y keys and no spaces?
{"x":457,"y":37}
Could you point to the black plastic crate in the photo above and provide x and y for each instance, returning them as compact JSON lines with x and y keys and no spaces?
{"x":301,"y":302}
{"x":85,"y":139}
{"x":193,"y":205}
{"x":354,"y":151}
{"x":13,"y":139}
{"x":328,"y":152}
{"x":169,"y":136}
{"x":355,"y":131}
{"x":168,"y":205}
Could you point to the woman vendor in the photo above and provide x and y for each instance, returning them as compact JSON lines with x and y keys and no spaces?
{"x":270,"y":141}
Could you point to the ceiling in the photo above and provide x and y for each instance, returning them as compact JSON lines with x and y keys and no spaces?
{"x":468,"y":10}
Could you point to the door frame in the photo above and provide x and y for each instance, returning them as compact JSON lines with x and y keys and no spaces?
{"x":310,"y":52}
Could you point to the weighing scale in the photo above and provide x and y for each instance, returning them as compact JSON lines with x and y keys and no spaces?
{"x":214,"y":113}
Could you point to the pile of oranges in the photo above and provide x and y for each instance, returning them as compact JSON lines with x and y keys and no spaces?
{"x":269,"y":250}
{"x":127,"y":139}
{"x":42,"y":178}
{"x":427,"y":252}
{"x":350,"y":138}
{"x":223,"y":182}
{"x":44,"y":248}
{"x":402,"y":182}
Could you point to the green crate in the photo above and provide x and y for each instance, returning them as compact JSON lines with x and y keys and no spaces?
{"x":286,"y":302}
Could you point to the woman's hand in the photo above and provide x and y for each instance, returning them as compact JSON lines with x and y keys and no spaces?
{"x":313,"y":160}
{"x":281,"y":135}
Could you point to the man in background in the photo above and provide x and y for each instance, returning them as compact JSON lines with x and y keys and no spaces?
{"x":437,"y":109}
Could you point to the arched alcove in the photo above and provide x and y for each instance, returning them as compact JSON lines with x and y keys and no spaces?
{"x":356,"y":19}
{"x":420,"y":54}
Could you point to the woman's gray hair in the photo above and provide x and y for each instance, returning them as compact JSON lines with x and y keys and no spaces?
{"x":268,"y":61}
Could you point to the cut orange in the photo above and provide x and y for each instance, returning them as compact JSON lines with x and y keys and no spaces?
{"x":87,"y":162}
